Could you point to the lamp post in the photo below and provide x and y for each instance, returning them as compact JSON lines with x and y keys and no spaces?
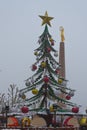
{"x":86,"y":110}
{"x":6,"y":111}
{"x":3,"y":111}
{"x":55,"y":108}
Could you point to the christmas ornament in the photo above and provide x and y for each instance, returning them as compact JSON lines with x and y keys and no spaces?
{"x":83,"y":121}
{"x":20,"y":94}
{"x":75,"y":109}
{"x":32,"y":80}
{"x":24,"y":109}
{"x":57,"y":71}
{"x":57,"y":92}
{"x":27,"y":83}
{"x":35,"y":91}
{"x":36,"y":53}
{"x":23,"y":96}
{"x":71,"y":93}
{"x":52,"y":41}
{"x":43,"y":64}
{"x":48,"y":49}
{"x":51,"y":108}
{"x":46,"y":79}
{"x":60,"y":81}
{"x":37,"y":58}
{"x":40,"y":53}
{"x":34,"y":67}
{"x":64,"y":83}
{"x":54,"y":66}
{"x":68,"y":97}
{"x":46,"y":19}
{"x":56,"y":54}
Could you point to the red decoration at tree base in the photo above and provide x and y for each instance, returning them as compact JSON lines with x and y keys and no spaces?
{"x":75,"y":109}
{"x":24,"y":109}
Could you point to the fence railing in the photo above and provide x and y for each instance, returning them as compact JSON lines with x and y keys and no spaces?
{"x":40,"y":128}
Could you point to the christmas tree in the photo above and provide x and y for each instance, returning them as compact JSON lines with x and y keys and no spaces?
{"x":46,"y":83}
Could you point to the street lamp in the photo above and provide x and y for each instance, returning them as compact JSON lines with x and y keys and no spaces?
{"x":6,"y":110}
{"x":55,"y":106}
{"x":3,"y":118}
{"x":86,"y":110}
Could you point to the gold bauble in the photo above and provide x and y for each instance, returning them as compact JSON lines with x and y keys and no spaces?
{"x":83,"y":121}
{"x":60,"y":81}
{"x":43,"y":64}
{"x":36,"y":53}
{"x":23,"y":96}
{"x":35,"y":91}
{"x":51,"y":109}
{"x":50,"y":39}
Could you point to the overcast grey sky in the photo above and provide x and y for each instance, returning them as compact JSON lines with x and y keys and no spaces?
{"x":20,"y":28}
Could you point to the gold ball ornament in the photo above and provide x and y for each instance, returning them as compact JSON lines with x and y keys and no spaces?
{"x":83,"y":121}
{"x":50,"y":39}
{"x":43,"y":64}
{"x":60,"y":81}
{"x":23,"y":96}
{"x":51,"y":108}
{"x":36,"y":53}
{"x":35,"y":91}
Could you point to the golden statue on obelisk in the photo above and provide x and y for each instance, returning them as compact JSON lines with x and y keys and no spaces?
{"x":62,"y":34}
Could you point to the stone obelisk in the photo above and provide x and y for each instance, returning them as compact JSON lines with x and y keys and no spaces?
{"x":62,"y":64}
{"x":62,"y":55}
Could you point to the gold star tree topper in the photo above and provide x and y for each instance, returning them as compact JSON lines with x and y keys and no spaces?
{"x":46,"y":19}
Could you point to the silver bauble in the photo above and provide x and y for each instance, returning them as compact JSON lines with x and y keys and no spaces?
{"x":56,"y":54}
{"x":27,"y":83}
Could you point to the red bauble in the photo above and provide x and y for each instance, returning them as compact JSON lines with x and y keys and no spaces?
{"x":68,"y":97}
{"x":34,"y":67}
{"x":52,"y":43}
{"x":48,"y":49}
{"x":46,"y":79}
{"x":24,"y":109}
{"x":57,"y":71}
{"x":75,"y":109}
